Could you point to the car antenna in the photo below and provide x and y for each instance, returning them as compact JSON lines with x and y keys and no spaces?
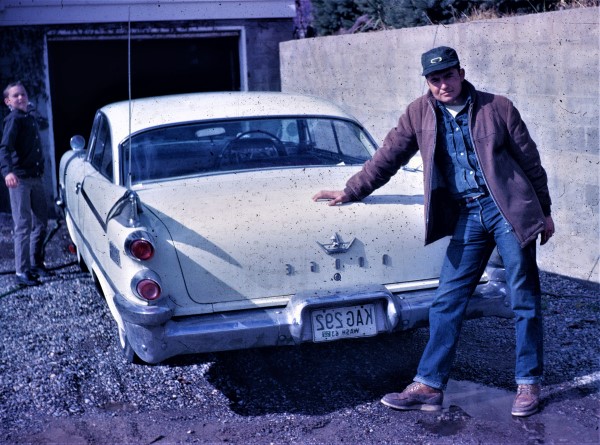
{"x":128,"y":180}
{"x":134,"y":208}
{"x":129,"y":202}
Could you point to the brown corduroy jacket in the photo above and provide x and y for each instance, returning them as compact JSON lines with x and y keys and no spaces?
{"x":507,"y":155}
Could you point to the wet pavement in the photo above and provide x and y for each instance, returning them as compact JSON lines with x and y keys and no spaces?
{"x":485,"y":403}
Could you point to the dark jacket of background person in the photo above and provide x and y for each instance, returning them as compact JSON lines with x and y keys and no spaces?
{"x":21,"y":150}
{"x":508,"y":157}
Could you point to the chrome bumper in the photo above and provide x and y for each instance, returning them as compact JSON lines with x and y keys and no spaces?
{"x":156,"y":335}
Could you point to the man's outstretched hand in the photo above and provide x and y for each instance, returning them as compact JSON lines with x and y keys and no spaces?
{"x":334,"y":197}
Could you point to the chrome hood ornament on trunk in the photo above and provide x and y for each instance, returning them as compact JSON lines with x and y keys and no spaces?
{"x":336,"y":245}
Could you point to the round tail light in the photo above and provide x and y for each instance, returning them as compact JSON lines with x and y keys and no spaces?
{"x":141,"y":249}
{"x":139,"y":245}
{"x":148,"y":289}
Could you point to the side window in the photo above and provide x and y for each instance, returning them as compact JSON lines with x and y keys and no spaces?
{"x":349,"y":139}
{"x":323,"y":134}
{"x":101,"y":150}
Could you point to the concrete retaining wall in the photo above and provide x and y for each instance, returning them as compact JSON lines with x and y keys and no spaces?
{"x":546,"y":63}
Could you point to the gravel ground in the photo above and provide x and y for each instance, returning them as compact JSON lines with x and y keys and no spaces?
{"x":63,"y":380}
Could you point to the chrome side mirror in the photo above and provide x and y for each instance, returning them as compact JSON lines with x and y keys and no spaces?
{"x":77,"y":143}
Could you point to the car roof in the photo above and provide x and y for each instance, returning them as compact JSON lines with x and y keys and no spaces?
{"x":161,"y":110}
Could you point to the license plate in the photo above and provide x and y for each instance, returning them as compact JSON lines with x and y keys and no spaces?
{"x":343,"y":322}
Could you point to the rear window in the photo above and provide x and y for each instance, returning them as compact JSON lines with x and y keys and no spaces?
{"x":236,"y":145}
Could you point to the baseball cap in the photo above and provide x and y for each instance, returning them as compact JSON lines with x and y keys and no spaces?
{"x":438,"y":59}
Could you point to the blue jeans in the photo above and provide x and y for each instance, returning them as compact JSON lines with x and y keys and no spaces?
{"x":479,"y":229}
{"x":30,"y":216}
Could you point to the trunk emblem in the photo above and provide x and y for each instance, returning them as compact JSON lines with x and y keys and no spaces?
{"x":336,"y":245}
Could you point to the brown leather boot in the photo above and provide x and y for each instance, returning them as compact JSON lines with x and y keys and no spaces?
{"x":416,"y":396}
{"x":527,"y":401}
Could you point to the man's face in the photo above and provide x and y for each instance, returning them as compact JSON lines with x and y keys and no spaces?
{"x":446,"y":85}
{"x":17,"y":98}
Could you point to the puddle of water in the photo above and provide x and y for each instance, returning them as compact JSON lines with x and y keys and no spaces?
{"x":492,"y":404}
{"x":479,"y":401}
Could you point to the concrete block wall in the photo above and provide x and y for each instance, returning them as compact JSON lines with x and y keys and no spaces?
{"x":547,"y":64}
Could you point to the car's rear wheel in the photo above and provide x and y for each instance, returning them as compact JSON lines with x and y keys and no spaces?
{"x":80,"y":261}
{"x":126,"y":348}
{"x":73,"y":246}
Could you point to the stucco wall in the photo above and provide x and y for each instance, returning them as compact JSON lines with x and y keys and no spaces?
{"x":546,"y":63}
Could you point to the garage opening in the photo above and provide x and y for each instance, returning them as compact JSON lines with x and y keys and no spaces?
{"x":87,"y":74}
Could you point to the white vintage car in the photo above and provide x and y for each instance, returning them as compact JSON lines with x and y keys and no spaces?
{"x":193,"y":213}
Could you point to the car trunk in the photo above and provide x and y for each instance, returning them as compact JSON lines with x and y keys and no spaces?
{"x":253,"y":235}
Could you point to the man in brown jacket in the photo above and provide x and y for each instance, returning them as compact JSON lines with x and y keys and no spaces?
{"x":485,"y":186}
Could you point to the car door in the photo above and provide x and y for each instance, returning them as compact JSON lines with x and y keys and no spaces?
{"x":76,"y":168}
{"x":98,"y":190}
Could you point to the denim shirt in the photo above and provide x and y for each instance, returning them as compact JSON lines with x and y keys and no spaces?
{"x":455,"y":155}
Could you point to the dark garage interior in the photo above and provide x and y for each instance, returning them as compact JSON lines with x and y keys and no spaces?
{"x":87,"y":74}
